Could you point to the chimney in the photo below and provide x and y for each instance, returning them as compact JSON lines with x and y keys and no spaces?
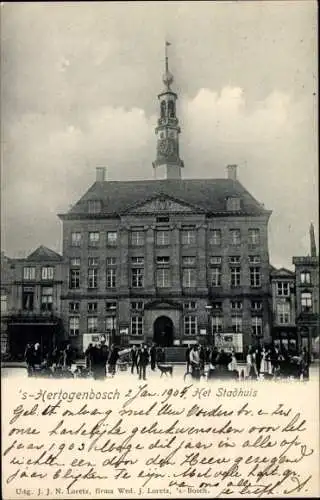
{"x":232,"y":172}
{"x":313,"y":248}
{"x":100,"y":174}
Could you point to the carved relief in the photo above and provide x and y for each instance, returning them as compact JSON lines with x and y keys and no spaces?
{"x":162,"y":205}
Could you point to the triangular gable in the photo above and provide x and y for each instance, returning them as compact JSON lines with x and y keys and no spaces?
{"x":44,"y":253}
{"x":162,"y":204}
{"x":283,"y":272}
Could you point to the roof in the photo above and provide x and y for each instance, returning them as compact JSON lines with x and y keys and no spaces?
{"x":282,"y":272}
{"x":208,"y":195}
{"x":43,"y":253}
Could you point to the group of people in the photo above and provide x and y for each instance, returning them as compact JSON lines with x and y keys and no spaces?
{"x":41,"y":358}
{"x":277,"y":361}
{"x":260,"y":361}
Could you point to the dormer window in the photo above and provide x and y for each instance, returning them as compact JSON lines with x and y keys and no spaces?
{"x":94,"y":206}
{"x":233,"y":204}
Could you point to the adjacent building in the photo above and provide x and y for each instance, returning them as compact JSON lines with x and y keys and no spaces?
{"x":284,"y":330}
{"x":307,"y":295}
{"x":30,"y":300}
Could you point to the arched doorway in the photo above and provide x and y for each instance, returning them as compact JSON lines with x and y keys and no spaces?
{"x":163,"y":331}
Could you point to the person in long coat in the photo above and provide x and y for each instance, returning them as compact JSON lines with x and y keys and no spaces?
{"x":153,"y":356}
{"x":113,"y":358}
{"x":134,"y":359}
{"x":143,"y":360}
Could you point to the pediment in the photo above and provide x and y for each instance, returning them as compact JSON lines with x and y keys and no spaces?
{"x":162,"y":204}
{"x":165,"y":304}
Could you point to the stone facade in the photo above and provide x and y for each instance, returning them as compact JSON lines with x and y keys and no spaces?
{"x":284,"y":329}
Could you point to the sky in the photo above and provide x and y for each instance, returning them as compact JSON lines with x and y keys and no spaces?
{"x":79,"y":91}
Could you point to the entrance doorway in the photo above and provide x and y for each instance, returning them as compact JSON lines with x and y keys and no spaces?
{"x":163,"y":331}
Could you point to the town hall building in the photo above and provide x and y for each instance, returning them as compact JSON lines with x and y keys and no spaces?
{"x":170,"y":260}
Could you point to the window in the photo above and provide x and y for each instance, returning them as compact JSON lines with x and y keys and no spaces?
{"x":188,"y":237}
{"x":46,"y":298}
{"x":256,"y":324}
{"x":111,"y":306}
{"x":137,"y":238}
{"x":188,"y":261}
{"x":75,"y":262}
{"x":94,"y":206}
{"x":112,"y":238}
{"x":136,"y":325}
{"x":305,"y":278}
{"x":215,"y":261}
{"x":111,"y":324}
{"x":163,"y":260}
{"x":162,"y":237}
{"x":283,"y":289}
{"x":137,"y":277}
{"x":236,"y":305}
{"x":74,"y":278}
{"x":4,"y":303}
{"x":254,"y":259}
{"x":27,"y":298}
{"x":189,"y":278}
{"x":94,"y":239}
{"x":47,"y":273}
{"x":236,"y":324}
{"x":74,"y":323}
{"x":92,"y":277}
{"x":190,"y":325}
{"x":233,"y":204}
{"x":254,"y":236}
{"x":93,"y":261}
{"x":235,"y":276}
{"x":234,"y":260}
{"x":29,"y":273}
{"x":111,"y":261}
{"x":216,"y":324}
{"x":92,"y":307}
{"x":255,"y":277}
{"x":283,"y":313}
{"x":306,"y":301}
{"x":217,"y":306}
{"x":189,"y":306}
{"x":215,"y":237}
{"x":92,"y":324}
{"x":256,"y":305}
{"x":235,"y":236}
{"x":215,"y":276}
{"x":163,"y":277}
{"x":76,"y":239}
{"x":137,"y":261}
{"x":137,"y":306}
{"x":111,"y":278}
{"x":74,"y":306}
{"x":162,"y":219}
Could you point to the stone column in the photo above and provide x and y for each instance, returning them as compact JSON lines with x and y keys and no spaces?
{"x":175,"y":260}
{"x":202,"y":261}
{"x":124,"y":256}
{"x":149,"y":267}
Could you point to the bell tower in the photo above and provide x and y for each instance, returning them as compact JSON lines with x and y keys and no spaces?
{"x":168,"y":163}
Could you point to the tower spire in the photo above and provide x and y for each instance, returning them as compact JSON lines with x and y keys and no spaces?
{"x":313,"y":248}
{"x":168,"y":163}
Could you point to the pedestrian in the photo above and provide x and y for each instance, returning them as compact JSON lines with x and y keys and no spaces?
{"x":258,"y":359}
{"x":214,"y":357}
{"x":249,"y":362}
{"x":37,"y":354}
{"x":134,"y":359}
{"x":29,"y":358}
{"x":99,"y":359}
{"x":202,"y":356}
{"x":306,"y":361}
{"x":68,"y":356}
{"x":143,"y":360}
{"x":188,"y":358}
{"x":88,"y":355}
{"x":113,"y":358}
{"x":153,"y":355}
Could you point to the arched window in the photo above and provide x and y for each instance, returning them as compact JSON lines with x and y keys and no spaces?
{"x":171,"y":109}
{"x":163,"y":109}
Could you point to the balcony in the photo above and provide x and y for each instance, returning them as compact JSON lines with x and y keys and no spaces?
{"x":33,"y":317}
